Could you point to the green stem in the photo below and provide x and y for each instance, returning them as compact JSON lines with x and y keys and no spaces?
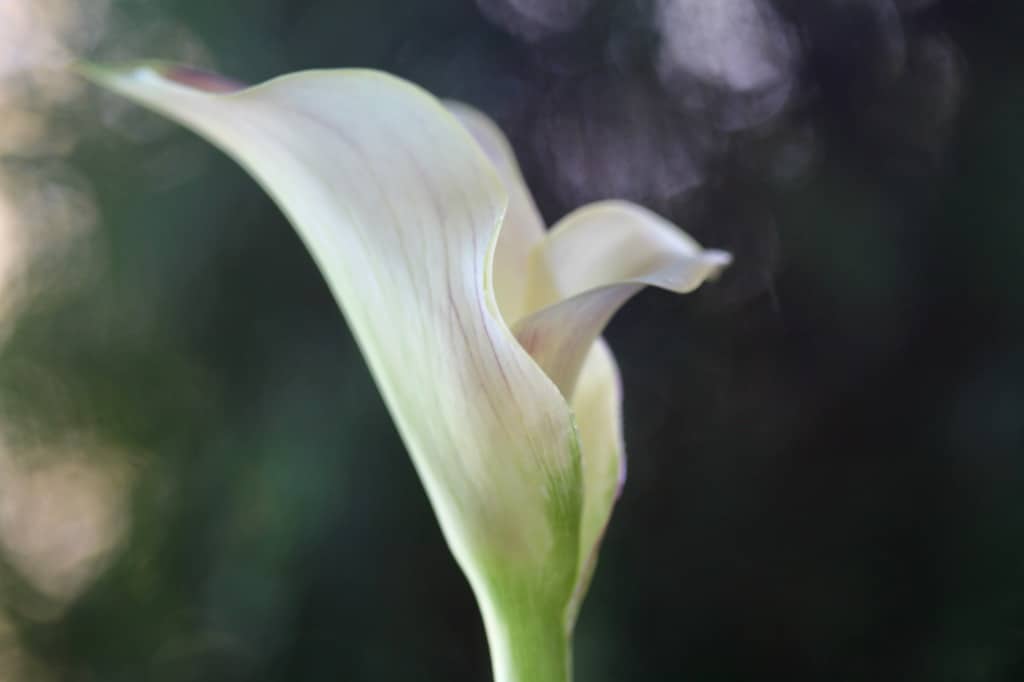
{"x":529,"y":645}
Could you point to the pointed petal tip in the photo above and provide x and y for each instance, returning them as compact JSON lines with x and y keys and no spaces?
{"x":113,"y":75}
{"x":90,"y":70}
{"x":170,"y":72}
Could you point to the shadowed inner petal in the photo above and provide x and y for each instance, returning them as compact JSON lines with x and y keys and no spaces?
{"x":522,"y":227}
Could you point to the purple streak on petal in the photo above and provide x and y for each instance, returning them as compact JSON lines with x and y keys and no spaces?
{"x":206,"y":81}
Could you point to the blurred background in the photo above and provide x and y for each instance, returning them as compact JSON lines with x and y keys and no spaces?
{"x":199,"y":482}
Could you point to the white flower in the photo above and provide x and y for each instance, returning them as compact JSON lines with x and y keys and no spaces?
{"x":481,"y":329}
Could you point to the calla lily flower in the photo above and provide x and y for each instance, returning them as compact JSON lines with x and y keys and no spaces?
{"x":482,"y":330}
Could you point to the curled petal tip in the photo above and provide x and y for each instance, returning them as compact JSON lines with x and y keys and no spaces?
{"x":717,"y":258}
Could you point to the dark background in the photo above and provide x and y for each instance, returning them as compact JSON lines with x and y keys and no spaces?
{"x":826,"y":446}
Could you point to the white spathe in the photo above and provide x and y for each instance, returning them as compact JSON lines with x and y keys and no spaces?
{"x":481,"y":329}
